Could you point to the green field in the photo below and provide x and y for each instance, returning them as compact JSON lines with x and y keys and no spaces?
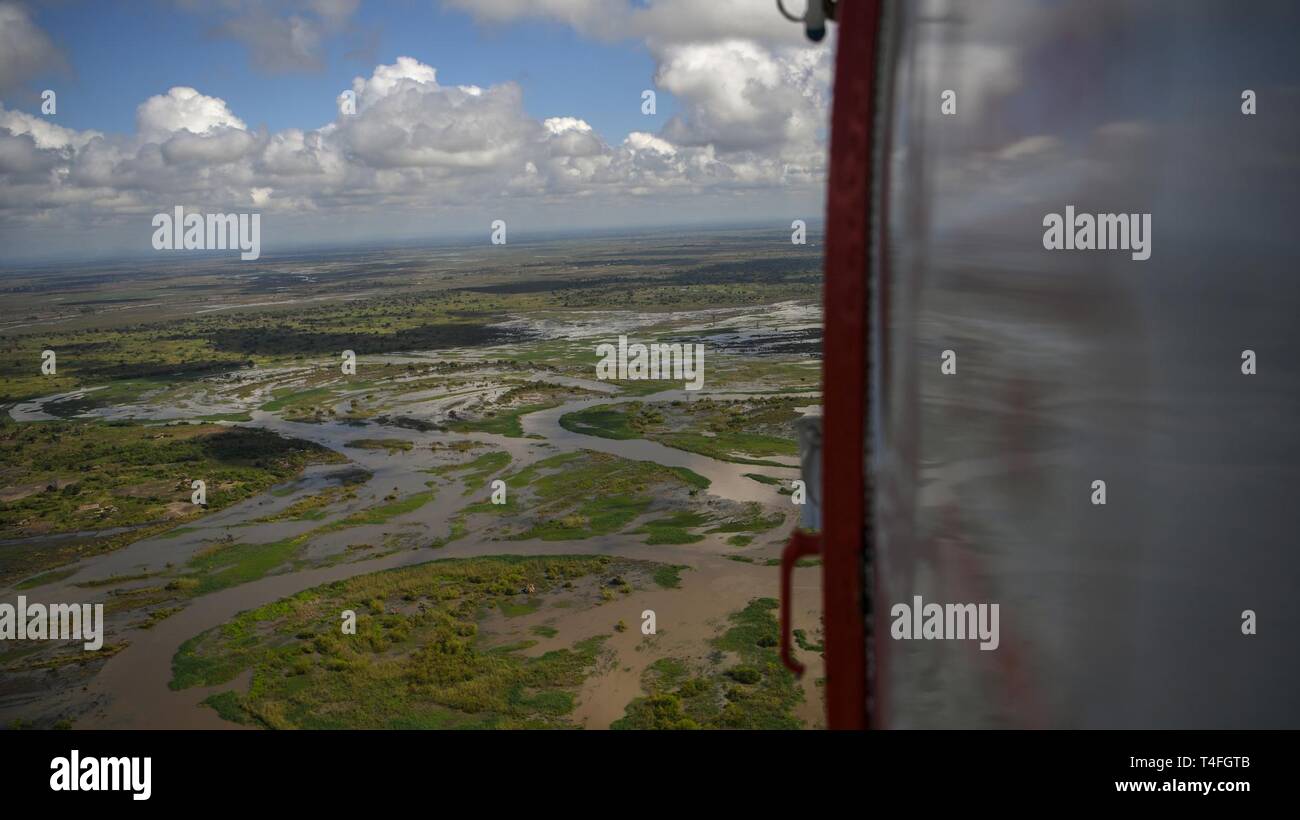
{"x":737,"y":431}
{"x":127,"y":482}
{"x":417,"y":660}
{"x":754,"y":692}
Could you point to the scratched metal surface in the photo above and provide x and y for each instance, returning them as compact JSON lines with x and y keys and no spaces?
{"x":1074,"y":366}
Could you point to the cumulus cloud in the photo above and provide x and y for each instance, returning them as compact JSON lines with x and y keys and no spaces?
{"x":751,"y":119}
{"x":754,"y":95}
{"x":184,"y":109}
{"x":752,"y":109}
{"x":217,"y":147}
{"x":25,"y":50}
{"x":740,"y":95}
{"x":657,"y":21}
{"x":44,"y":134}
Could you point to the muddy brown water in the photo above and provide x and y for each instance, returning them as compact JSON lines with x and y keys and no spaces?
{"x":131,"y":690}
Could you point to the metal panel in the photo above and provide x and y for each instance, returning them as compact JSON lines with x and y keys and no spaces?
{"x":1074,"y":366}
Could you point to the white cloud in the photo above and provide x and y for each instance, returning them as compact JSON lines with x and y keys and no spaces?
{"x":561,"y":125}
{"x":25,"y":50}
{"x":657,"y":21}
{"x":641,"y":141}
{"x":45,"y":134}
{"x":412,"y":146}
{"x":407,"y":72}
{"x":219,"y":146}
{"x":184,"y":109}
{"x":740,"y":95}
{"x":754,"y":93}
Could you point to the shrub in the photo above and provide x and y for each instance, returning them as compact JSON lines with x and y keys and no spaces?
{"x":744,"y":674}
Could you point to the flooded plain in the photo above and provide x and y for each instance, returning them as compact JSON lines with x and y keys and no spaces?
{"x":131,"y":689}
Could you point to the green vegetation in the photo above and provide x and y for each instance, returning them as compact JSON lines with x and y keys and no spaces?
{"x":754,"y":521}
{"x":603,"y":420}
{"x":674,"y":529}
{"x":157,"y":616}
{"x":599,"y":516}
{"x":741,"y":431}
{"x":503,"y":417}
{"x":45,"y":578}
{"x":514,"y":609}
{"x":131,"y":346}
{"x":228,"y":565}
{"x":477,"y":471}
{"x":669,"y":577}
{"x":501,"y":422}
{"x":382,"y":513}
{"x":416,"y":660}
{"x":109,"y":484}
{"x":693,"y":479}
{"x":757,"y":692}
{"x":312,"y":507}
{"x":113,"y":580}
{"x":392,"y":445}
{"x":584,"y":494}
{"x":801,"y":638}
{"x":802,"y":563}
{"x":291,"y":398}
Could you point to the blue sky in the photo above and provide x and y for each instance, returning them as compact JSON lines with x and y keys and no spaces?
{"x":120,"y":57}
{"x":466,"y":111}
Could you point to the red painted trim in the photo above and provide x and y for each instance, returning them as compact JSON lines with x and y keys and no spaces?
{"x":801,"y":544}
{"x":845,"y":375}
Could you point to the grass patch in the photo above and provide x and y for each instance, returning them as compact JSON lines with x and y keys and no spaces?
{"x":383,"y":513}
{"x":741,"y":432}
{"x":83,"y":478}
{"x":674,"y":529}
{"x":515,"y":609}
{"x":313,"y":507}
{"x":754,"y":521}
{"x":113,"y":580}
{"x":801,"y":638}
{"x":392,"y":445}
{"x":501,"y":422}
{"x":416,"y":660}
{"x":670,"y":576}
{"x":603,"y":420}
{"x":290,"y":398}
{"x":583,"y":494}
{"x":45,"y":578}
{"x":477,"y":471}
{"x":756,"y":692}
{"x":227,"y":566}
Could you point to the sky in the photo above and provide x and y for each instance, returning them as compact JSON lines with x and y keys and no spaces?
{"x":341,"y":120}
